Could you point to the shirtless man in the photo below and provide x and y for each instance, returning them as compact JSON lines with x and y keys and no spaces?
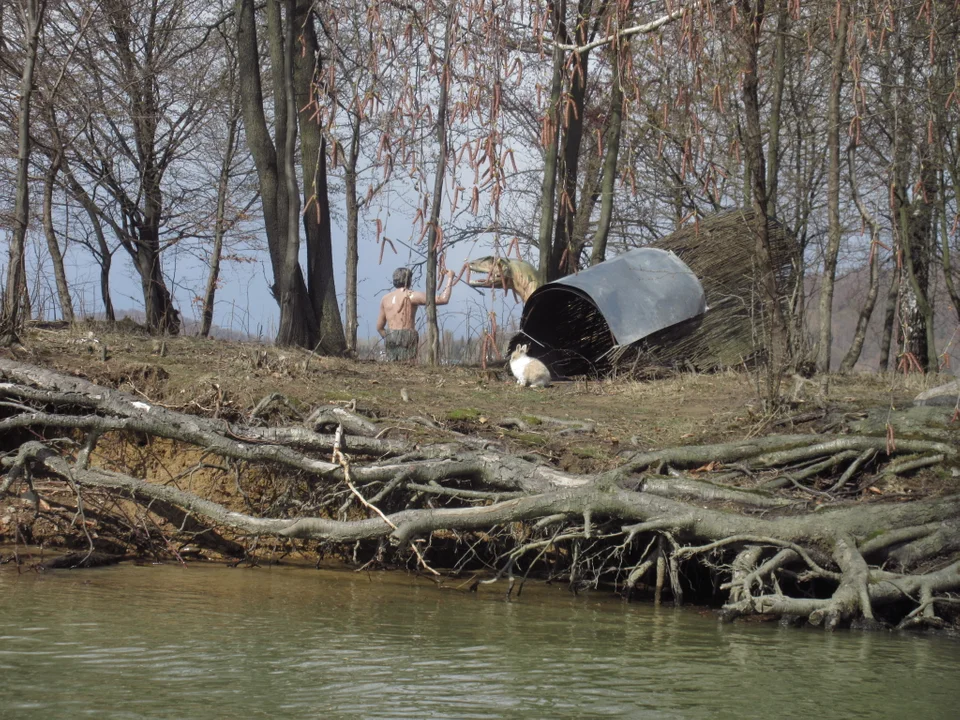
{"x":398,"y":312}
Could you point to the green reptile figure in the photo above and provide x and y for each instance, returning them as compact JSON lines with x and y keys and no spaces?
{"x":505,"y":274}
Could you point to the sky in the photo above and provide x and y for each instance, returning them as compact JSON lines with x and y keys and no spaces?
{"x":244,"y":303}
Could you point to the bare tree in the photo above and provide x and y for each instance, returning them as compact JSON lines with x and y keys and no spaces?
{"x":53,"y":244}
{"x":222,"y":222}
{"x":99,"y":247}
{"x":833,"y":190}
{"x":774,"y":326}
{"x":611,"y":143}
{"x":434,"y":236}
{"x":874,"y":264}
{"x":317,"y":220}
{"x":299,"y":322}
{"x":913,"y":212}
{"x":31,"y":25}
{"x":144,"y":64}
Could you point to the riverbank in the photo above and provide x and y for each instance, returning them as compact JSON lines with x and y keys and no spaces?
{"x":665,"y":487}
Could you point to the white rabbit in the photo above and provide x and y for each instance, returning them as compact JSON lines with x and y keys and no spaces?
{"x":528,"y":371}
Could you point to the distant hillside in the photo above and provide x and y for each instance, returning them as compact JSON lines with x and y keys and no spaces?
{"x":849,"y":297}
{"x":189,"y":327}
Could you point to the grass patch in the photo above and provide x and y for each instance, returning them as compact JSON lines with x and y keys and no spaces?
{"x":526,"y":438}
{"x":463,"y":415}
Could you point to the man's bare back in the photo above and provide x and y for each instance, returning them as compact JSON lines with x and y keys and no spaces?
{"x":398,"y":315}
{"x":398,"y":311}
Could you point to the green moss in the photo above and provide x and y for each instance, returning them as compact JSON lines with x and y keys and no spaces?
{"x":531,"y":420}
{"x":338,"y":397}
{"x":524,"y":438}
{"x":589,"y":453}
{"x":463,"y":415}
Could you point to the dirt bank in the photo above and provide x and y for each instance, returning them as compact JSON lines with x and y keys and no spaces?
{"x":674,"y":486}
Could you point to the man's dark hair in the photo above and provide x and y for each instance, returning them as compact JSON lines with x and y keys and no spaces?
{"x":402,"y":277}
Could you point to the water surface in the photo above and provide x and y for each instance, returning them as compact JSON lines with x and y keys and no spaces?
{"x":213,"y":642}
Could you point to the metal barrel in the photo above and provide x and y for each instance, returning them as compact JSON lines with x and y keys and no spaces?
{"x":574,"y":323}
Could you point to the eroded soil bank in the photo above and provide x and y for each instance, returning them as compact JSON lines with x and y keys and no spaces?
{"x":837,"y":510}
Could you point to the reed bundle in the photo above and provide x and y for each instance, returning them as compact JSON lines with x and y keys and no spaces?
{"x":721,"y":251}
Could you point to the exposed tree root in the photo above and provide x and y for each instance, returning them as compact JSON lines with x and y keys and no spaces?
{"x":815,"y":545}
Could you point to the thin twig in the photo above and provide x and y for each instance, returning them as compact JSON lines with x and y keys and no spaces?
{"x":339,"y":457}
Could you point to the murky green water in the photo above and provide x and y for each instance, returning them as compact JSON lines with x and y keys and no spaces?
{"x":213,"y":642}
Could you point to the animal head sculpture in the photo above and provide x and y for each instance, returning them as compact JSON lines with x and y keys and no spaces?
{"x":504,"y":274}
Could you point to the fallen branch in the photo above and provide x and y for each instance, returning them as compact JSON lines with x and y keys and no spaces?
{"x":768,"y":551}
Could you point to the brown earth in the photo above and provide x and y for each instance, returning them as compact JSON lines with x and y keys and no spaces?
{"x":228,"y":379}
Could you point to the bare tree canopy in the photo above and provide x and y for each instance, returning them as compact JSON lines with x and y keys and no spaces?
{"x":558,"y":132}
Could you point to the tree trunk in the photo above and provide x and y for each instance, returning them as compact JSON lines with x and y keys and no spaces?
{"x":916,"y":225}
{"x":776,"y":103}
{"x":835,"y":230}
{"x":564,"y":252}
{"x":16,"y":278}
{"x":912,"y":204}
{"x":611,"y":141}
{"x":321,"y":281}
{"x":102,"y":253}
{"x":106,"y":261}
{"x":161,"y":316}
{"x":774,"y":325}
{"x":945,"y":256}
{"x":550,"y":135}
{"x":353,"y":241}
{"x":433,"y":234}
{"x":258,"y":137}
{"x":873,"y":290}
{"x":323,"y":289}
{"x":889,"y":319}
{"x":290,"y":332}
{"x":219,"y":228}
{"x":143,"y":207}
{"x":297,"y":321}
{"x":53,"y":246}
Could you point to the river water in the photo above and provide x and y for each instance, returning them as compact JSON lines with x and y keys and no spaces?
{"x":212,"y":642}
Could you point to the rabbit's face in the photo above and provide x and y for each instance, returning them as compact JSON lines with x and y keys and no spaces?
{"x":518,"y":352}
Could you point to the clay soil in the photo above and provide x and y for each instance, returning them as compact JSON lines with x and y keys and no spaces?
{"x":431,"y":404}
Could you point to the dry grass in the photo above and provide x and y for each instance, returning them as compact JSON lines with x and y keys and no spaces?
{"x":720,"y":250}
{"x":228,"y":379}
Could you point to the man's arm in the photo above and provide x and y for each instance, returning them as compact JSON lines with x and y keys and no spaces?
{"x":420,"y":298}
{"x":382,"y":321}
{"x":444,"y":297}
